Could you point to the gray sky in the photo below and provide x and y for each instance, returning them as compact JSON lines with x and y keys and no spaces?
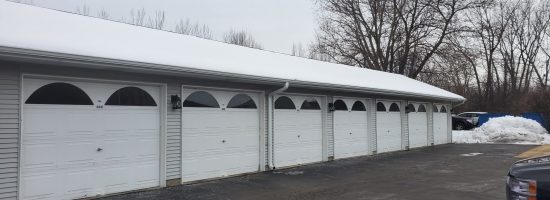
{"x":276,"y":24}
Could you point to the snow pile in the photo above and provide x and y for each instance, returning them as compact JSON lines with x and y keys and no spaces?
{"x":505,"y":130}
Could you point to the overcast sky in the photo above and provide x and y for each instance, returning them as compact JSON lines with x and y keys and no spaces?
{"x":276,"y":24}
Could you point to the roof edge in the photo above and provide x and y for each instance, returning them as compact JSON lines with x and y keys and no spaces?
{"x":15,"y":54}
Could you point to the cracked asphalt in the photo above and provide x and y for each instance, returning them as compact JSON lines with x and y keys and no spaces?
{"x":453,"y":171}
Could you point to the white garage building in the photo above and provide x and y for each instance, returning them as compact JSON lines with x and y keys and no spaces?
{"x":91,"y":107}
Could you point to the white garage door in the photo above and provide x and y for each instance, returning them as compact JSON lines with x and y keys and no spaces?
{"x":220,"y":134}
{"x":350,"y":128}
{"x":83,"y":139}
{"x":298,"y":131}
{"x":440,"y":117}
{"x":418,"y":125}
{"x":388,"y":126}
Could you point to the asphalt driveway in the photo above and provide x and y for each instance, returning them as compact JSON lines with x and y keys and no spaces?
{"x":440,"y":172}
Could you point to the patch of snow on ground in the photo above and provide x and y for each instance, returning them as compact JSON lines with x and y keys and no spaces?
{"x":470,"y":154}
{"x":505,"y":130}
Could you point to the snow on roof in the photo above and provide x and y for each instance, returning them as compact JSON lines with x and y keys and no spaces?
{"x":40,"y":29}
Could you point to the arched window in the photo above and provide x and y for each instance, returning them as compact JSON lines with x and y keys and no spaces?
{"x":130,"y":96}
{"x":380,"y":107}
{"x":59,"y":94}
{"x":340,"y":105}
{"x":201,"y":99}
{"x":443,"y":109}
{"x":421,"y":108}
{"x":394,"y":107}
{"x":435,"y":109}
{"x":310,"y":104}
{"x":410,"y":108}
{"x":358,"y":106}
{"x":242,"y":101}
{"x":284,"y":103}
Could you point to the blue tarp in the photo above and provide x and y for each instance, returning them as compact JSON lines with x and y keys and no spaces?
{"x":537,"y":117}
{"x":485,"y":117}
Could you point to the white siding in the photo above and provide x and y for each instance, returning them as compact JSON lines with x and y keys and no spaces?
{"x":429,"y":109}
{"x":330,"y":131}
{"x":173,"y":136}
{"x":449,"y":124}
{"x":404,"y":126}
{"x":371,"y":109}
{"x":9,"y":131}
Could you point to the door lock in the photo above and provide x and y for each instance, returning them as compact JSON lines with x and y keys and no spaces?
{"x":223,"y":141}
{"x":99,"y":149}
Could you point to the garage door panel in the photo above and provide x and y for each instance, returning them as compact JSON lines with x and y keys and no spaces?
{"x":388,"y":126}
{"x":418,"y":128}
{"x":350,"y":132}
{"x":218,"y":142}
{"x":60,"y":157}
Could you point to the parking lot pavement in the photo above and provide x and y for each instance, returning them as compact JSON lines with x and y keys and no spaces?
{"x":454,"y":171}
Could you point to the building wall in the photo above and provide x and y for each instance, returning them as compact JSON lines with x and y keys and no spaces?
{"x":9,"y":115}
{"x":10,"y":91}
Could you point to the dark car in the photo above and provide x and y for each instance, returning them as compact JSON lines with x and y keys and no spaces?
{"x":462,"y":123}
{"x":529,"y":179}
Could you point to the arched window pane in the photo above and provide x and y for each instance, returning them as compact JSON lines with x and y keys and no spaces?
{"x":394,"y":107}
{"x":131,"y":96}
{"x":201,"y":99}
{"x":435,"y":109}
{"x":380,"y":107}
{"x":284,"y":103}
{"x":340,"y":105}
{"x":310,"y":104}
{"x":443,"y":109}
{"x":59,"y":94}
{"x":358,"y":106}
{"x":242,"y":101}
{"x":410,"y":108}
{"x":421,"y":108}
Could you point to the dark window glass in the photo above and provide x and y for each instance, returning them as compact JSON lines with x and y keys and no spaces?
{"x":443,"y":109}
{"x":340,"y":105}
{"x":411,"y":108}
{"x":421,"y":108}
{"x":380,"y":107}
{"x":201,"y":99}
{"x":394,"y":107}
{"x":435,"y":109}
{"x":358,"y":106}
{"x":242,"y":101}
{"x":284,"y":103}
{"x":131,"y":96}
{"x":310,"y":104}
{"x":59,"y":94}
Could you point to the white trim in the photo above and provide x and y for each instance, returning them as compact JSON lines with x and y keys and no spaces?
{"x":162,"y":107}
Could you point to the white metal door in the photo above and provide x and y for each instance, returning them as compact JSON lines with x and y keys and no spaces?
{"x":298,"y":131}
{"x":440,"y":117}
{"x":350,"y":128}
{"x":220,"y":134}
{"x":75,"y":151}
{"x":388,"y":126}
{"x":418,"y":125}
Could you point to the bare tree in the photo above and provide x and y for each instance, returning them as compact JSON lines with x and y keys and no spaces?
{"x":156,"y":21}
{"x":103,"y":14}
{"x":398,"y":36}
{"x":84,"y":10}
{"x":137,"y":17}
{"x":194,"y":29}
{"x":298,"y":50}
{"x":241,"y":38}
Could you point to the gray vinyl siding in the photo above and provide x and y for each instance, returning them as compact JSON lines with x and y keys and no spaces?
{"x":9,"y":131}
{"x":371,"y":109}
{"x":330,"y":131}
{"x":404,"y":126}
{"x":429,"y":108}
{"x":173,"y":135}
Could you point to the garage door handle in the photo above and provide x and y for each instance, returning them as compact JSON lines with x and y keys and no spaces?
{"x":223,"y":141}
{"x":350,"y":133}
{"x":99,"y":149}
